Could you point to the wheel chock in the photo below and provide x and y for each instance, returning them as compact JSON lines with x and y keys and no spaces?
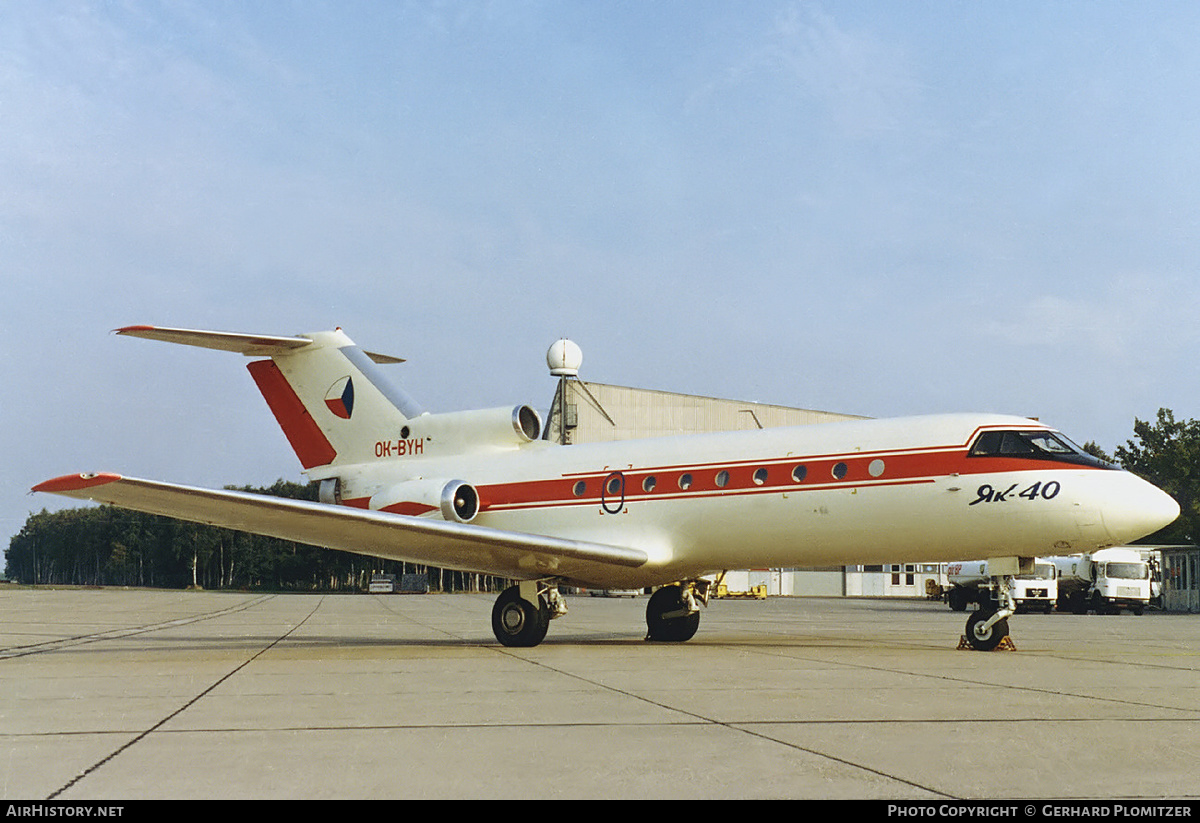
{"x":1005,"y":645}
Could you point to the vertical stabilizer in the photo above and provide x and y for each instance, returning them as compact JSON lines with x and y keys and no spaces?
{"x":327,"y":394}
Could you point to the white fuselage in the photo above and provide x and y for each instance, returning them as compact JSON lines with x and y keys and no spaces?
{"x":873,"y":491}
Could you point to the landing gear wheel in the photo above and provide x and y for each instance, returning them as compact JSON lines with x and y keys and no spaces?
{"x":981,"y":639}
{"x":517,"y":622}
{"x":668,"y":617}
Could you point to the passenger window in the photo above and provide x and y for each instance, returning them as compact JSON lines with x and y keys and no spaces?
{"x":649,"y":483}
{"x":685,"y":481}
{"x":840,"y":470}
{"x":580,"y":488}
{"x":722,"y":479}
{"x":760,"y":477}
{"x":799,"y":473}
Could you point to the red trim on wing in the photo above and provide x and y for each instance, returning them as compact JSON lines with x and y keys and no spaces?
{"x":75,"y":482}
{"x":306,"y":437}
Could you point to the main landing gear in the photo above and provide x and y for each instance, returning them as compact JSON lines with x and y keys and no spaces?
{"x":673,"y":613}
{"x":522,"y":613}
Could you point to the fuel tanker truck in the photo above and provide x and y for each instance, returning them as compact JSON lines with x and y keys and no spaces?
{"x":970,"y":583}
{"x":1104,"y":581}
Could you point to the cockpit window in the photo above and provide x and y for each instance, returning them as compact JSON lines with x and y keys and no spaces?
{"x":1034,"y":444}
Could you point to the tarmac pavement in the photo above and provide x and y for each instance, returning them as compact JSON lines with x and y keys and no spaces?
{"x":111,"y":694}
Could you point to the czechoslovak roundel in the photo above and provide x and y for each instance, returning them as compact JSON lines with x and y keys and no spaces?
{"x":340,"y":398}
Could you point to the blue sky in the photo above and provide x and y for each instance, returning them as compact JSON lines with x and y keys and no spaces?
{"x":870,"y":207}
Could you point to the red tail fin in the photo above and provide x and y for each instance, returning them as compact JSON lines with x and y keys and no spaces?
{"x":308,"y":441}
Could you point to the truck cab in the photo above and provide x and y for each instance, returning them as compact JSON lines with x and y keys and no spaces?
{"x":1104,"y":581}
{"x":970,"y":583}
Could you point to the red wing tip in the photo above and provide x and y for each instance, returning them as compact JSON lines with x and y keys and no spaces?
{"x":128,"y":329}
{"x":75,"y":482}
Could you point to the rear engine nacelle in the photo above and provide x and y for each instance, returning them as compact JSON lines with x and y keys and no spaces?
{"x":469,"y":431}
{"x":454,"y":500}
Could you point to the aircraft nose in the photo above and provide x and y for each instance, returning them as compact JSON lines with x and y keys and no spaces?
{"x":1140,"y":509}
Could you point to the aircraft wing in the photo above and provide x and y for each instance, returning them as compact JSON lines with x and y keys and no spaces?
{"x":379,"y":534}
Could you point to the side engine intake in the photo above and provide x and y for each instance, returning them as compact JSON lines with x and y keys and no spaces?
{"x":455,"y":500}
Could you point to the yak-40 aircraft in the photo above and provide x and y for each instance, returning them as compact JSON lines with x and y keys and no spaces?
{"x":479,"y":491}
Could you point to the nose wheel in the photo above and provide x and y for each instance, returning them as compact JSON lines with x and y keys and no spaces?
{"x":988,"y":627}
{"x":983,"y":637}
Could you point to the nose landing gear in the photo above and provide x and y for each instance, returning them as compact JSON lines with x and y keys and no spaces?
{"x":987,"y":628}
{"x":984,"y":634}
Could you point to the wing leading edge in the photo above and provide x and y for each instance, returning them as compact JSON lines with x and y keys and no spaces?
{"x":378,"y":534}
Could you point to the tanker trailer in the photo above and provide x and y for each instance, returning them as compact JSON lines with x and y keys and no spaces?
{"x":1103,"y":581}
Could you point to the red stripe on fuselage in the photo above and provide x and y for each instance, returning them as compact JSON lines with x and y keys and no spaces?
{"x":898,"y":468}
{"x":879,"y":468}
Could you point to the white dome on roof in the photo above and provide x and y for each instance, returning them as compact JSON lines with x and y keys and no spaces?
{"x":564,"y":358}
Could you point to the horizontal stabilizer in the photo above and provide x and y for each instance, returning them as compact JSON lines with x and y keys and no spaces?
{"x":515,"y":555}
{"x":251,"y":345}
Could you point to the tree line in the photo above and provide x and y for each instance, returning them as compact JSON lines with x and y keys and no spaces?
{"x":1167,"y":453}
{"x":109,"y":546}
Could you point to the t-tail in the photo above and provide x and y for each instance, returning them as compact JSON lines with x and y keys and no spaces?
{"x":326,"y":393}
{"x":337,"y":409}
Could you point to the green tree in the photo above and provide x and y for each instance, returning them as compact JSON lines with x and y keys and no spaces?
{"x":1167,"y":453}
{"x":1095,"y":451}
